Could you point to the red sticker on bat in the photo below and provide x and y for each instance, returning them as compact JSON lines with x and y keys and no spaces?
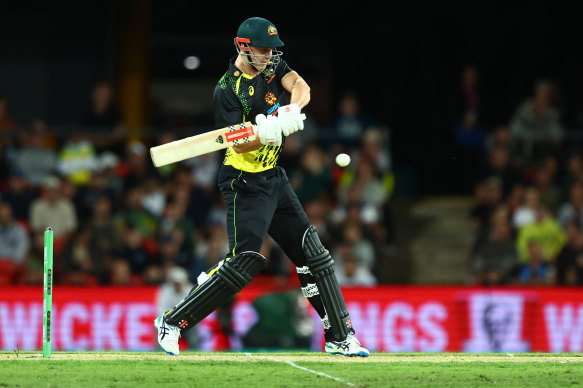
{"x":239,"y":134}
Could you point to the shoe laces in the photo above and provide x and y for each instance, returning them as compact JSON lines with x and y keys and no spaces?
{"x":170,"y":331}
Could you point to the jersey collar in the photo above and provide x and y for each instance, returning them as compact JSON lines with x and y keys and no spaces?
{"x":235,"y":71}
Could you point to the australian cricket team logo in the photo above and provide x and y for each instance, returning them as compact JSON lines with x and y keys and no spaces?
{"x":270,"y":98}
{"x":271,"y":30}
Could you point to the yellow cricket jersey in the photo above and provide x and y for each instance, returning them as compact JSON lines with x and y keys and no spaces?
{"x":239,"y":97}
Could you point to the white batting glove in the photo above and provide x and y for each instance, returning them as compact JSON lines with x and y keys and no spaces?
{"x":268,"y":130}
{"x":290,"y":118}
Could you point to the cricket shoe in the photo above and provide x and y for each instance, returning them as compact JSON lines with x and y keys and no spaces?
{"x":168,"y":336}
{"x":349,"y":347}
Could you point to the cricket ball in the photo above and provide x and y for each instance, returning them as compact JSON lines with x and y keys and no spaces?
{"x":342,"y":160}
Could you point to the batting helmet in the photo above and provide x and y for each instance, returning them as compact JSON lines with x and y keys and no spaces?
{"x":258,"y":32}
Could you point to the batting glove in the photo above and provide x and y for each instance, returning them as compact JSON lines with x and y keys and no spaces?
{"x":268,"y":130}
{"x":290,"y":118}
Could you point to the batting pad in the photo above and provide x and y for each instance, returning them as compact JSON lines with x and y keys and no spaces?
{"x":223,"y":282}
{"x":322,"y":268}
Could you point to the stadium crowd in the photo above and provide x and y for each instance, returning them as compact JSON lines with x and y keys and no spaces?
{"x":118,"y":220}
{"x":527,"y":182}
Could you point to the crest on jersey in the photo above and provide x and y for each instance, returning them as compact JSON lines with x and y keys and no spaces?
{"x":270,"y":98}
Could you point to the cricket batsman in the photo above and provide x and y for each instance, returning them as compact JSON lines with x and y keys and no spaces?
{"x":259,"y":198}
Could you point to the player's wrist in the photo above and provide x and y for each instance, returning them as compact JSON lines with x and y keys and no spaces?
{"x":290,"y":109}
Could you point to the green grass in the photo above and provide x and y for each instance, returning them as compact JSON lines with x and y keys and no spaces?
{"x":293,"y":369}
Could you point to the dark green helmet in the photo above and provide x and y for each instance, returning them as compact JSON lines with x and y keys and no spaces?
{"x":258,"y":32}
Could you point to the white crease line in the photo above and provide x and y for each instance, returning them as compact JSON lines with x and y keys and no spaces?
{"x":304,"y":369}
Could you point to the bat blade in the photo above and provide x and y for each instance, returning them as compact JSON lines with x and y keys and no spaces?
{"x":204,"y":143}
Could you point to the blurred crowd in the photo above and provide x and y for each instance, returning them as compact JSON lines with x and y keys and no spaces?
{"x":526,"y":177}
{"x":118,"y":220}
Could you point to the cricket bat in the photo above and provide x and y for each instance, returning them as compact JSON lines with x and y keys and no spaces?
{"x":204,"y":143}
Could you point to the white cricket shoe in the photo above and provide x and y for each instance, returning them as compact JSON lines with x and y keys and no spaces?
{"x":349,"y":347}
{"x":168,"y":336}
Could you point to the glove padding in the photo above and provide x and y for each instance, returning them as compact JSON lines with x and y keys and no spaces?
{"x":268,"y":130}
{"x":290,"y":119}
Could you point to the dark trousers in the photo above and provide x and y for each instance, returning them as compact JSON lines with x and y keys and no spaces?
{"x":262,"y":203}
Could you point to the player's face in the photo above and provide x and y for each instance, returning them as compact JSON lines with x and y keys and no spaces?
{"x":261,"y":55}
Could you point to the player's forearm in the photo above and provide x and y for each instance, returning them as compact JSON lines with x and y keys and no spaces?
{"x":300,"y":93}
{"x":247,"y":147}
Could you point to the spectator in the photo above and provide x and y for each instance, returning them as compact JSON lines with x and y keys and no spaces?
{"x":175,"y":227}
{"x":536,"y":269}
{"x":77,"y":159}
{"x":499,"y":136}
{"x":144,"y":267}
{"x":54,"y":210}
{"x":105,"y":237}
{"x":154,"y":198}
{"x":544,"y":231}
{"x":515,"y":198}
{"x":187,"y":194}
{"x":376,"y":148}
{"x":550,"y":193}
{"x":487,"y":197}
{"x":363,"y":249}
{"x":483,"y":234}
{"x":354,"y":212}
{"x":20,"y":195}
{"x":315,"y":176}
{"x":104,"y":120}
{"x":468,"y":96}
{"x":98,"y":187}
{"x":495,"y":258}
{"x":536,"y":123}
{"x":81,"y":262}
{"x":14,"y":246}
{"x":497,"y":164}
{"x":573,"y":171}
{"x":525,"y":214}
{"x":138,"y":167}
{"x":107,"y":169}
{"x":35,"y":160}
{"x":49,"y":138}
{"x":351,"y":122}
{"x":119,"y":274}
{"x":133,"y":214}
{"x":352,"y":273}
{"x":366,"y":182}
{"x":204,"y":170}
{"x":572,"y":209}
{"x":569,"y":264}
